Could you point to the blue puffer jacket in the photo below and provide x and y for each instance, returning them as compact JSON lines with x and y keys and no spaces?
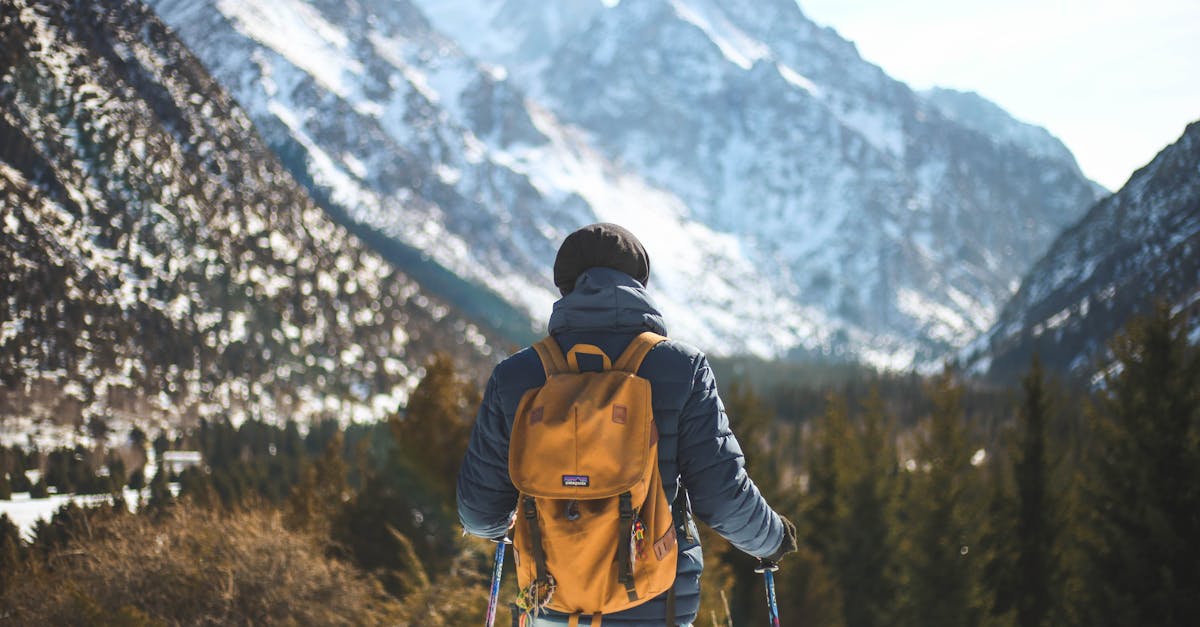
{"x":608,"y":309}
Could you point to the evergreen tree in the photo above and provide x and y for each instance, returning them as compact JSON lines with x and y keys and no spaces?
{"x":1143,"y":499}
{"x":321,"y":491}
{"x":942,"y":586}
{"x":137,"y":440}
{"x":433,"y":433}
{"x":868,"y":562}
{"x":200,"y":488}
{"x":137,"y":478}
{"x":813,"y":575}
{"x":826,"y":451}
{"x":1025,"y":569}
{"x":162,"y":444}
{"x":21,"y":462}
{"x":11,"y":550}
{"x":116,"y":473}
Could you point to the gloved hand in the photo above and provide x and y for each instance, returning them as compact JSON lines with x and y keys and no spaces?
{"x":787,"y":546}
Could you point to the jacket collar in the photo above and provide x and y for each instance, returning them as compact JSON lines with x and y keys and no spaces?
{"x":606,"y":300}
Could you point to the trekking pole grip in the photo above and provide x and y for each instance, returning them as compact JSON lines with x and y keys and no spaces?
{"x":765,"y":566}
{"x":768,"y":568}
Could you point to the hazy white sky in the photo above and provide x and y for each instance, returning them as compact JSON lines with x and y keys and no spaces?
{"x":1117,"y":81}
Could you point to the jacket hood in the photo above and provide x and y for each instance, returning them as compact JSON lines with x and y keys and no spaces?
{"x":606,"y":300}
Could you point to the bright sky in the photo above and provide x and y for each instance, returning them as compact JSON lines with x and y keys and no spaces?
{"x":1115,"y":80}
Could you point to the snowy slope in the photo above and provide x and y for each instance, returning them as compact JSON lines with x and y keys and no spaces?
{"x":159,"y":265}
{"x":794,"y":198}
{"x":864,"y":198}
{"x":1136,"y":247}
{"x":407,"y":135}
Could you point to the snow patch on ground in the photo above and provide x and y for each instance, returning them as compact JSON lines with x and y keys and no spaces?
{"x":25,"y":512}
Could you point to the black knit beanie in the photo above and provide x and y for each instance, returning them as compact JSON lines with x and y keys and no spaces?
{"x":599,"y":245}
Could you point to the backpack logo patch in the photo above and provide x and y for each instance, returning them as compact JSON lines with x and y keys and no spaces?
{"x":576,"y":481}
{"x":620,"y":414}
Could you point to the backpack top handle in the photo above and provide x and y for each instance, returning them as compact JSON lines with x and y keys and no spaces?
{"x":586,"y":349}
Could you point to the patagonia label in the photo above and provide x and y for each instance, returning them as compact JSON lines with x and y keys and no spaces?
{"x":577,"y":481}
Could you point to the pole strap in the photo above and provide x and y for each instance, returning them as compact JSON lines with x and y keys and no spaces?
{"x":624,"y":536}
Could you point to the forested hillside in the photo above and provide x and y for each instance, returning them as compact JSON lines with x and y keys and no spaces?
{"x":158,"y":264}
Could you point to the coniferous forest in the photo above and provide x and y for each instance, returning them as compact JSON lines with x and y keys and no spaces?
{"x":919,"y":501}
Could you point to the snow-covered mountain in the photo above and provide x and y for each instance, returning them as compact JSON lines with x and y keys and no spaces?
{"x":1137,"y":247}
{"x":157,"y":262}
{"x":793,"y":198}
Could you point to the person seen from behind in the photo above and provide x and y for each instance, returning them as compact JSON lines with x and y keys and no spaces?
{"x":606,"y":318}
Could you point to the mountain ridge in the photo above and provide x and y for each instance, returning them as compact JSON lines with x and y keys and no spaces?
{"x":762,"y":142}
{"x":1139,"y":246}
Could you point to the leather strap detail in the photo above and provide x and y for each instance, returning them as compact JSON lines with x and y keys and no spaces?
{"x":631,"y":359}
{"x":624,"y":534}
{"x":664,"y":545}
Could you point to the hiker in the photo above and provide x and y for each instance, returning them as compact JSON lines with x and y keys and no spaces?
{"x":601,"y":271}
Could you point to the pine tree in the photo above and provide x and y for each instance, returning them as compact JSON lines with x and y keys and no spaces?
{"x":321,"y":492}
{"x":821,"y":510}
{"x":11,"y":550}
{"x":1025,"y":569}
{"x":867,"y":563}
{"x":942,"y":586}
{"x":432,"y":436}
{"x":137,"y":441}
{"x":1143,"y":497}
{"x":116,"y":473}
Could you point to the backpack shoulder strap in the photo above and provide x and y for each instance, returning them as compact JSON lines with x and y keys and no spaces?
{"x":631,"y":359}
{"x":551,"y":355}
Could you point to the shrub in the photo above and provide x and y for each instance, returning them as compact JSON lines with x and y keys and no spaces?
{"x":194,"y":566}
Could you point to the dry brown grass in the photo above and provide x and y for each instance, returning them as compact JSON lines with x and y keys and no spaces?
{"x":196,"y":567}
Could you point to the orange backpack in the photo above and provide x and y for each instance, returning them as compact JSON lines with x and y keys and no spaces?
{"x":593,"y":533}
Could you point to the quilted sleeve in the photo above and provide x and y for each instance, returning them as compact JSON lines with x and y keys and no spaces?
{"x":713,"y":470}
{"x":486,"y":496}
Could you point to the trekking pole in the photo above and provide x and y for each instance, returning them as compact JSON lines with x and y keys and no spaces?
{"x":768,"y":568}
{"x":497,"y":571}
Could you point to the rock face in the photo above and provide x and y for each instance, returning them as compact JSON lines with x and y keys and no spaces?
{"x":1138,"y":247}
{"x":159,"y":265}
{"x":795,"y":199}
